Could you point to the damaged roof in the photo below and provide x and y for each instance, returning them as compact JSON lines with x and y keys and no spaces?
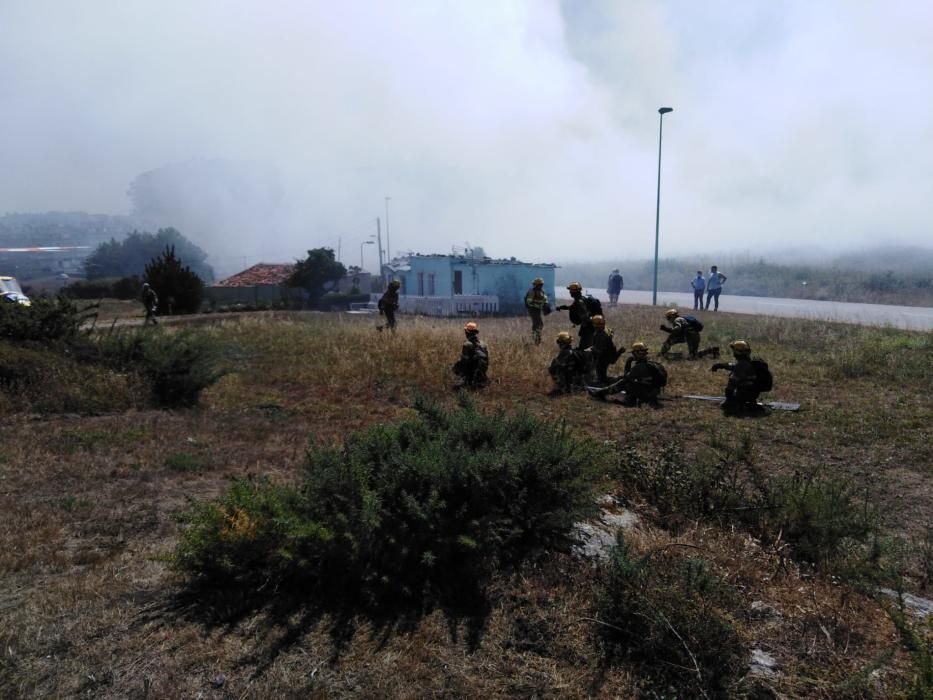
{"x":259,"y":275}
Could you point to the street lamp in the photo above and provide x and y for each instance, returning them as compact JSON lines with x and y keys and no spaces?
{"x":388,"y":249}
{"x":657,"y":212}
{"x":361,"y":252}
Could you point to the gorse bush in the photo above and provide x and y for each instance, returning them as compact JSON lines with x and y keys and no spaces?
{"x":672,"y":617}
{"x":48,"y":320}
{"x":422,"y":511}
{"x":178,"y":366}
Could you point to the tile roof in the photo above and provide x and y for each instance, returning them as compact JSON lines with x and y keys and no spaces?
{"x":259,"y":275}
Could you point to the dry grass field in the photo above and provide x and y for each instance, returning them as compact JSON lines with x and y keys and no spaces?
{"x":91,"y":607}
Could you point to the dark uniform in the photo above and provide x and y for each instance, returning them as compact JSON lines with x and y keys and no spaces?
{"x":151,"y":301}
{"x":579,"y":314}
{"x":643,"y":380}
{"x":744,"y":385}
{"x":568,"y":368}
{"x":604,"y":354}
{"x":388,"y":304}
{"x":537,"y":304}
{"x":681,"y":331}
{"x":474,"y":359}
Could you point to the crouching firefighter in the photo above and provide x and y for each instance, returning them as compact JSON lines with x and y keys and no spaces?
{"x":683,"y":329}
{"x":568,"y":368}
{"x":643,"y":378}
{"x":604,"y":352}
{"x":748,"y":378}
{"x":474,"y":358}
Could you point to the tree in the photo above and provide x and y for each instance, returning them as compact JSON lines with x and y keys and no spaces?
{"x":180,"y":290}
{"x":129,"y":256}
{"x":315,"y":271}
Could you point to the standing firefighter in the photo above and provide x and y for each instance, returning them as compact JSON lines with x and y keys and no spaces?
{"x":643,"y":379}
{"x":537,"y":304}
{"x":388,"y":305}
{"x":683,"y":329}
{"x":151,"y":301}
{"x":582,"y":309}
{"x":748,"y":378}
{"x":567,"y":369}
{"x":474,"y":358}
{"x":604,"y":350}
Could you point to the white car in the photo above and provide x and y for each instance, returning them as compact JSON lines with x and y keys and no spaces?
{"x":11,"y":291}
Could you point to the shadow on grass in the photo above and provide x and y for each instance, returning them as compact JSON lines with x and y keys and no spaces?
{"x":286,"y":616}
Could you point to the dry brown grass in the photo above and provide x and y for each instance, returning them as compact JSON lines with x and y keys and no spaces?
{"x":88,"y":606}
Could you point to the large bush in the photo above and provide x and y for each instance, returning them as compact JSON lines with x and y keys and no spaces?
{"x":177,"y":366}
{"x":424,"y":510}
{"x":180,"y":290}
{"x":48,"y":320}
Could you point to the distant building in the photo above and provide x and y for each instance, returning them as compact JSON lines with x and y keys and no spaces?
{"x":453,"y":284}
{"x":265,"y":282}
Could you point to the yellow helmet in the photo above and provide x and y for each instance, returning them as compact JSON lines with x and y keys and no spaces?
{"x":671,"y":313}
{"x":638,"y":348}
{"x":537,"y":282}
{"x":471,"y":327}
{"x":575,"y":287}
{"x":395,"y":283}
{"x":564,"y":338}
{"x":740,"y":347}
{"x":598,"y":321}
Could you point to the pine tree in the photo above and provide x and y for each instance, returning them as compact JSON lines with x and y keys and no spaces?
{"x":180,"y":290}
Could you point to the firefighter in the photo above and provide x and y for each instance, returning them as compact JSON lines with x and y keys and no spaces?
{"x":151,"y":301}
{"x":643,"y":379}
{"x":474,"y":358}
{"x":604,"y":350}
{"x":568,"y":368}
{"x":388,"y":305}
{"x":683,"y":329}
{"x":536,"y":302}
{"x":748,"y":378}
{"x":579,"y":314}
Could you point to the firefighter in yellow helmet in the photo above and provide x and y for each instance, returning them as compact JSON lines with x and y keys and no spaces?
{"x":683,"y":329}
{"x":748,"y":378}
{"x":474,"y":358}
{"x":388,"y":305}
{"x":568,"y":368}
{"x":581,"y":311}
{"x":603,"y":350}
{"x":536,"y":302}
{"x":643,"y":378}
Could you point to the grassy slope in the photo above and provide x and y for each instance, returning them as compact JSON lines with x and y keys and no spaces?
{"x":88,"y":605}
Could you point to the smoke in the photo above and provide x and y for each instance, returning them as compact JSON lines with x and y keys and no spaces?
{"x":528,"y":127}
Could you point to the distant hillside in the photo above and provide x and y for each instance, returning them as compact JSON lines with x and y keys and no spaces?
{"x":62,"y":228}
{"x":882,"y":276}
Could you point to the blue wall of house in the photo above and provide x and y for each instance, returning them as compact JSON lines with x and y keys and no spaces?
{"x":507,"y":279}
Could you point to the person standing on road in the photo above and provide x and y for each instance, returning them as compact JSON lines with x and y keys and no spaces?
{"x":537,"y":304}
{"x":714,"y":286}
{"x":151,"y":301}
{"x":698,"y":284}
{"x":614,"y":287}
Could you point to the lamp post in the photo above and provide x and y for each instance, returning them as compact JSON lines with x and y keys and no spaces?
{"x":388,"y":250}
{"x":361,"y":252}
{"x":657,"y":212}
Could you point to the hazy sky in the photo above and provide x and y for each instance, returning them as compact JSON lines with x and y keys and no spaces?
{"x":529,"y":127}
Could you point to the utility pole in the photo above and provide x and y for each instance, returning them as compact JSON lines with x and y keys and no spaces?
{"x":379,"y":242}
{"x":388,"y":250}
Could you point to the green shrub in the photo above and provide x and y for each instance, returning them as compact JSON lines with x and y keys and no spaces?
{"x":180,"y":290}
{"x":424,"y":510}
{"x":670,"y":616}
{"x":48,"y":320}
{"x":178,"y":366}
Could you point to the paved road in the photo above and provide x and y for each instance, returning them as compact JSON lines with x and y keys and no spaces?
{"x":911,"y":317}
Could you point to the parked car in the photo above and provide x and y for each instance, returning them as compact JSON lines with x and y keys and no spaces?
{"x":10,"y":291}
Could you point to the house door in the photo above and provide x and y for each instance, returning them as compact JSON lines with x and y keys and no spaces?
{"x":458,"y":282}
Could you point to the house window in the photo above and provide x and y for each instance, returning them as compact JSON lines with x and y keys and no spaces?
{"x":431,"y":284}
{"x":420,"y":284}
{"x":458,"y":282}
